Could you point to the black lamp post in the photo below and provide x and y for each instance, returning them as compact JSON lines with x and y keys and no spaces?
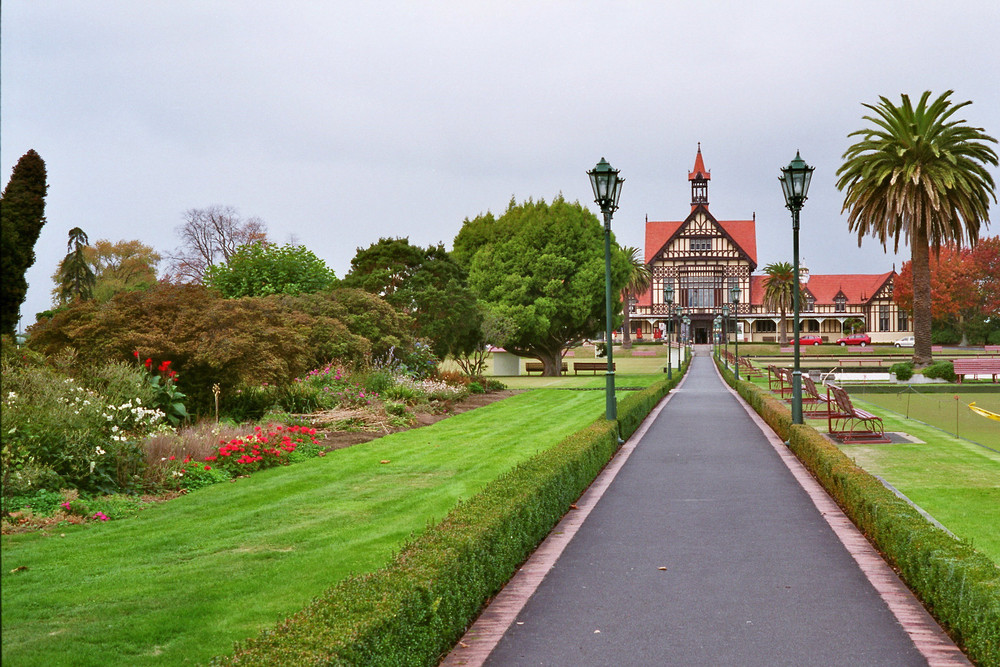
{"x":607,"y":189}
{"x":668,"y":298}
{"x":795,"y":186}
{"x":725,"y":324}
{"x":687,"y":334}
{"x":716,"y":332}
{"x":734,"y":292}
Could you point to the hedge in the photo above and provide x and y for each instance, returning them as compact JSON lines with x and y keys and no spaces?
{"x":412,"y":611}
{"x":957,"y":584}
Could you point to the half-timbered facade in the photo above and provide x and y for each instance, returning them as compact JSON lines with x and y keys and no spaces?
{"x":704,"y":258}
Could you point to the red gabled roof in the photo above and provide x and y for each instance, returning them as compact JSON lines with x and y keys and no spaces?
{"x":657,"y":235}
{"x":858,"y":288}
{"x":744,"y":234}
{"x":699,"y":170}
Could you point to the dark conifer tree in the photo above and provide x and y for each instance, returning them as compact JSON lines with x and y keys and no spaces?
{"x":22,"y":214}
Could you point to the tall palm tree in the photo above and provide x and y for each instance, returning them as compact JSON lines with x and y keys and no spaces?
{"x":639,"y":281}
{"x":920,"y":175}
{"x":76,"y":278}
{"x":779,"y":292}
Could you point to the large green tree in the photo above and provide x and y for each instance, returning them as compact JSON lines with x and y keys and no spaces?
{"x":260,"y":269}
{"x":639,"y":280}
{"x":22,"y":215}
{"x":779,"y":293}
{"x":544,"y":274}
{"x":426,"y":284}
{"x":919,"y":175}
{"x":75,"y":278}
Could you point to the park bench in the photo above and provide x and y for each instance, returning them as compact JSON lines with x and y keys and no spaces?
{"x":814,"y":404}
{"x":789,"y":349}
{"x":993,"y":349}
{"x":850,"y":424}
{"x":643,"y":353}
{"x":866,"y":361}
{"x":976,"y":366}
{"x":592,"y":366}
{"x":533,"y":367}
{"x":779,"y":380}
{"x":749,"y":368}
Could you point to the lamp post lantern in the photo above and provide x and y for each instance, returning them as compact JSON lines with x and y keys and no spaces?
{"x":734,"y":292}
{"x":725,"y":324}
{"x":668,"y":299}
{"x":607,"y":189}
{"x":687,"y":335}
{"x":795,"y":180}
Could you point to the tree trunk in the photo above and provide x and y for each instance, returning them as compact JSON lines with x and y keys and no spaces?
{"x":920,"y":257}
{"x":783,"y":340}
{"x":626,"y":326}
{"x":552,"y":362}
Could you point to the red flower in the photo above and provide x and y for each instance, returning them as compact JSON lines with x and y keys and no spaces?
{"x":136,"y":353}
{"x":149,"y":363}
{"x":172,"y":458}
{"x":163,"y":367}
{"x":208,"y":467}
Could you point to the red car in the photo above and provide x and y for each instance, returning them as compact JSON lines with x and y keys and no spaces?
{"x":855,"y":339}
{"x":810,"y":340}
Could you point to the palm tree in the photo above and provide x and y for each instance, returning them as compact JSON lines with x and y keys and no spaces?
{"x":920,"y":175}
{"x":76,"y":278}
{"x":638,"y":282}
{"x":779,"y":290}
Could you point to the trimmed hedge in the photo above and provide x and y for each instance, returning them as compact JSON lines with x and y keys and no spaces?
{"x":957,"y":584}
{"x":412,"y":611}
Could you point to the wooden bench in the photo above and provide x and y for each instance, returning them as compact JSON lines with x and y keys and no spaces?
{"x":749,"y":368}
{"x":848,"y":423}
{"x":643,"y":353}
{"x":865,"y":361}
{"x":976,"y":366}
{"x":787,"y":349}
{"x":992,"y":349}
{"x":814,"y":404}
{"x":533,"y":367}
{"x":592,"y":366}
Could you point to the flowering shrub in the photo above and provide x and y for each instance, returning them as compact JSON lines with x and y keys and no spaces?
{"x":169,"y":399}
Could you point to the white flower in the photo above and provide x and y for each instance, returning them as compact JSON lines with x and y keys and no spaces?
{"x":114,"y":429}
{"x":100,"y":452}
{"x":11,"y":396}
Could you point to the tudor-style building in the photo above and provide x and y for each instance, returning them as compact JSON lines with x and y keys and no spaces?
{"x":704,"y":258}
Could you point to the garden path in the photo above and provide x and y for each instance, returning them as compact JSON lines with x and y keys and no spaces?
{"x":705,"y":543}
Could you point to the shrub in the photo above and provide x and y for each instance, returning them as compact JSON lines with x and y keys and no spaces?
{"x":943,"y":369}
{"x":903,"y":370}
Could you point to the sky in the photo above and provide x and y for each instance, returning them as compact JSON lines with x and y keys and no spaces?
{"x":339,"y":123}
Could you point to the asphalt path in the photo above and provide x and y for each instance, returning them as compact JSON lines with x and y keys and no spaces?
{"x":704,"y":550}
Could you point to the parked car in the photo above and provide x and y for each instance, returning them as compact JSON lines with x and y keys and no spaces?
{"x":906,"y":341}
{"x":810,"y":340}
{"x":855,"y":339}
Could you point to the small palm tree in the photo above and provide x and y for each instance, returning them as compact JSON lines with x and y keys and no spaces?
{"x":638,"y":282}
{"x":779,"y":292}
{"x":919,"y":175}
{"x":76,"y":278}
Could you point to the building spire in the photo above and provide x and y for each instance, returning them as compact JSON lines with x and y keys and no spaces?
{"x":699,"y":177}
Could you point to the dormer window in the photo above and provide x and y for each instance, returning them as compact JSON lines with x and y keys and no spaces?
{"x":810,"y":303}
{"x":840,"y":303}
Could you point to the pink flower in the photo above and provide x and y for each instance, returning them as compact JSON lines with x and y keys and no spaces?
{"x":208,"y":467}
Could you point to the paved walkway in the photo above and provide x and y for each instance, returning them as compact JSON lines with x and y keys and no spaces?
{"x":705,"y":549}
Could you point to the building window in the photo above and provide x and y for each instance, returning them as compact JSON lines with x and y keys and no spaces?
{"x":701,"y":244}
{"x":840,"y":303}
{"x":765,"y":326}
{"x":810,"y":326}
{"x":904,"y":322}
{"x":701,"y":288}
{"x":883,"y":317}
{"x":810,"y":304}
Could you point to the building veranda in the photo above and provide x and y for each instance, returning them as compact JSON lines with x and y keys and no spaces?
{"x":706,"y":260}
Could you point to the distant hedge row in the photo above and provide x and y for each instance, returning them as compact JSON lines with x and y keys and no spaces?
{"x":957,"y":584}
{"x":413,"y":610}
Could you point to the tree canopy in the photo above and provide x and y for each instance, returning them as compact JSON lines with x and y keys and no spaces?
{"x":779,"y":292}
{"x":209,"y":236}
{"x":919,"y":175}
{"x":426,"y":284}
{"x":259,"y":269}
{"x":75,"y":278}
{"x":22,"y":215}
{"x":543,"y":272}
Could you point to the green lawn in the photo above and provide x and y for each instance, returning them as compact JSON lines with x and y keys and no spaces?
{"x":944,"y":411}
{"x":955,"y":481}
{"x":183,"y":580}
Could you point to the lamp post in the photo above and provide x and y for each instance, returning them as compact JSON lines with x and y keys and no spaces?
{"x":734,"y":292}
{"x":795,"y":186}
{"x":725,"y":324}
{"x":607,"y":189}
{"x":687,"y":334}
{"x":716,"y":332}
{"x":668,"y":298}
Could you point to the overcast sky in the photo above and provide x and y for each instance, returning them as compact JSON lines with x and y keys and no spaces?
{"x":342,"y":122}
